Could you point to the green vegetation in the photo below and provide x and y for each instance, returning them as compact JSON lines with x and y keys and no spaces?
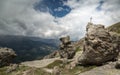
{"x":21,"y":69}
{"x":41,"y":72}
{"x":2,"y":71}
{"x":65,"y":71}
{"x":78,"y":49}
{"x":81,"y":68}
{"x":115,"y":28}
{"x":55,"y":63}
{"x":77,"y":70}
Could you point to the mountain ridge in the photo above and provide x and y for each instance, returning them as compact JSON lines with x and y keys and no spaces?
{"x":28,"y":48}
{"x":115,"y":27}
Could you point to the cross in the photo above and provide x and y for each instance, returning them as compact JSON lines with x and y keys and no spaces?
{"x":91,"y":19}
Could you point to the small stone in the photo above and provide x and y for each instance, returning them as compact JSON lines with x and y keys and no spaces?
{"x":117,"y":65}
{"x":12,"y":67}
{"x":56,"y":70}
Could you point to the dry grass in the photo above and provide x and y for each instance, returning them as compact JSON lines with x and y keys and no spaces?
{"x":115,"y":28}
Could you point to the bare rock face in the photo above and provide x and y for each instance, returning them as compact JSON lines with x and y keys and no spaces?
{"x":98,"y":46}
{"x":6,"y":56}
{"x":66,"y":48}
{"x":116,"y":39}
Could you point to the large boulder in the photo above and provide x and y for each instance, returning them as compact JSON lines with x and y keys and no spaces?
{"x":67,"y":49}
{"x":99,"y":46}
{"x":6,"y":56}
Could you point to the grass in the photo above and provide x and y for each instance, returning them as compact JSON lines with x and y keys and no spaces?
{"x":41,"y":72}
{"x":21,"y":69}
{"x":55,"y":63}
{"x":38,"y":71}
{"x":65,"y":71}
{"x":76,"y":70}
{"x":115,"y":28}
{"x":78,"y":49}
{"x":2,"y":71}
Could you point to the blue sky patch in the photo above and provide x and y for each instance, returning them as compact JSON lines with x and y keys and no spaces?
{"x":55,"y":7}
{"x":99,"y":7}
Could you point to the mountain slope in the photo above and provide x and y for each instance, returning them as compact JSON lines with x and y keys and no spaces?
{"x":28,"y":48}
{"x":115,"y":28}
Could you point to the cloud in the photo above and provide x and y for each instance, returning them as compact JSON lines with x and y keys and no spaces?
{"x":18,"y":17}
{"x":59,"y":9}
{"x":83,"y":10}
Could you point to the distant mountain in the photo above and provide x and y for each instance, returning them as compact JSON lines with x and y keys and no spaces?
{"x":28,"y":48}
{"x":115,"y":28}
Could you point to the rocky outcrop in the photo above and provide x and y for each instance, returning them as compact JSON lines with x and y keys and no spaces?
{"x":6,"y":56}
{"x":99,"y":46}
{"x":67,"y":50}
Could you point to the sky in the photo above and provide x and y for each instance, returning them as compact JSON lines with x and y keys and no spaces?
{"x":55,"y":18}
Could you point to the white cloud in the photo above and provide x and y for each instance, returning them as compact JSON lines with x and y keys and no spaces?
{"x":84,"y":9}
{"x":58,"y":9}
{"x":18,"y":17}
